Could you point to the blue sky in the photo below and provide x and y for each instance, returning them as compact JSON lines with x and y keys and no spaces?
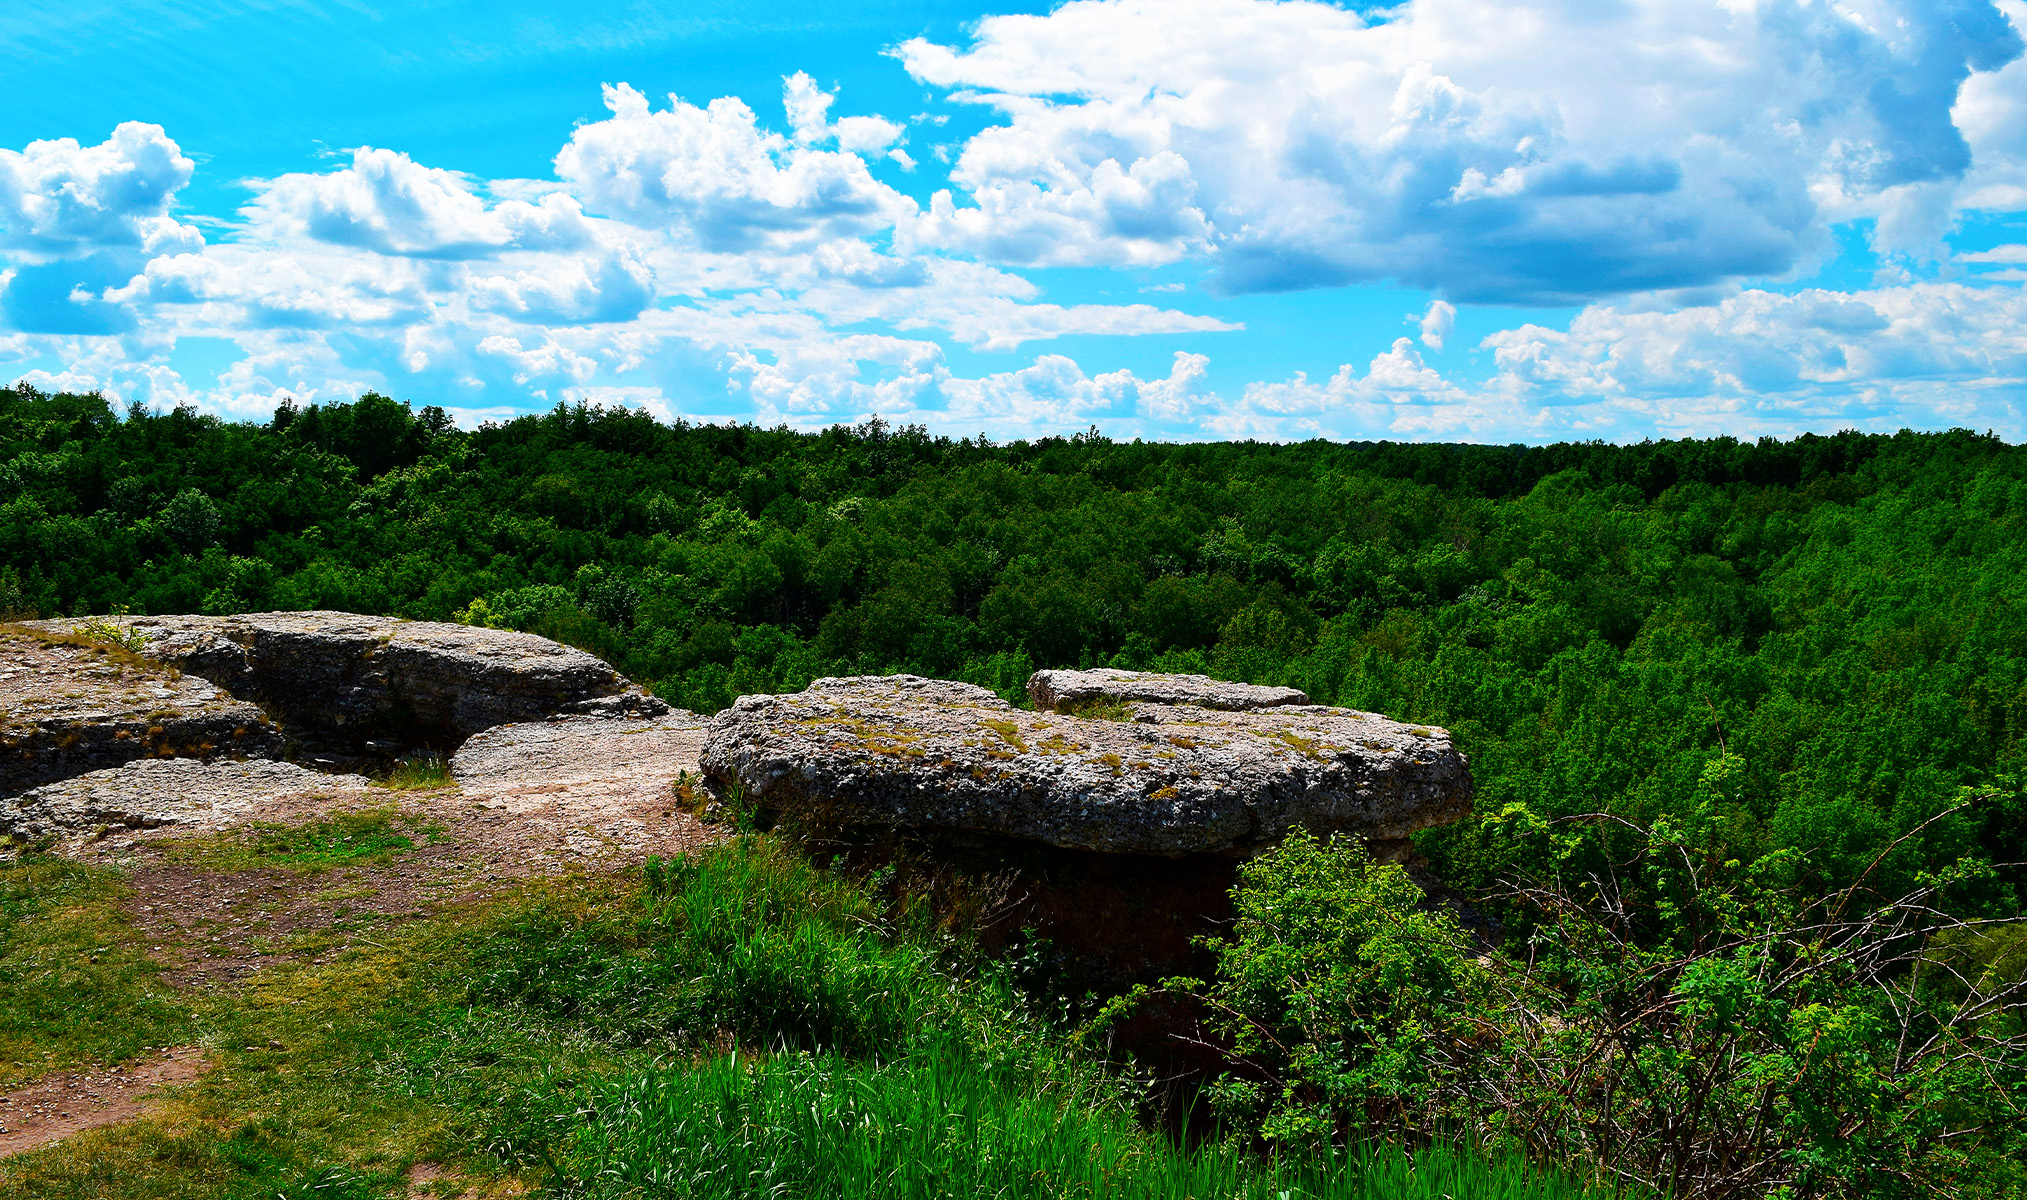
{"x":1482,"y":220}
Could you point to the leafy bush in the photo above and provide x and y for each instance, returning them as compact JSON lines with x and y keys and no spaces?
{"x":1704,"y":1027}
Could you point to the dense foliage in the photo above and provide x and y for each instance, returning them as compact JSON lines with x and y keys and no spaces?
{"x":1711,"y":691}
{"x":1710,"y":1029}
{"x":1845,"y":617}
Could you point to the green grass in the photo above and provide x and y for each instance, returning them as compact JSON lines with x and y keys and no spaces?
{"x":342,"y":839}
{"x":76,"y":985}
{"x":419,"y":773}
{"x":733,"y":1023}
{"x":935,"y":1123}
{"x":1097,"y":708}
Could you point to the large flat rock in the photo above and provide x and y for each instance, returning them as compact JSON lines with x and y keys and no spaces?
{"x":153,"y":793}
{"x":343,"y":679}
{"x":68,"y":708}
{"x":1067,"y":690}
{"x":902,"y":752}
{"x":573,"y":751}
{"x":583,"y":787}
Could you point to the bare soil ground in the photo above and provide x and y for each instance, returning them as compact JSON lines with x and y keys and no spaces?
{"x":59,"y":1105}
{"x":540,"y":799}
{"x":547,"y":798}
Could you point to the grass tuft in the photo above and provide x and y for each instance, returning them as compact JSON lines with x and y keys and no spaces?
{"x":1097,"y":708}
{"x":416,"y":774}
{"x":341,"y":839}
{"x":936,"y":1123}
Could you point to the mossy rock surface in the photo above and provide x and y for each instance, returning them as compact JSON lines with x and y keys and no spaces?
{"x":906,"y":752}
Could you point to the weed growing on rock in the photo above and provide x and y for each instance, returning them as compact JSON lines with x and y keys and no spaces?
{"x":1097,"y":708}
{"x":417,"y":773}
{"x":108,"y":631}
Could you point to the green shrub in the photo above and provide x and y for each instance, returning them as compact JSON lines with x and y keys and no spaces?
{"x":742,"y":940}
{"x":1701,"y":1026}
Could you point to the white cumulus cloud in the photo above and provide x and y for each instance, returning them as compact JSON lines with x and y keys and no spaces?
{"x":716,"y":174}
{"x":388,"y":203}
{"x":1525,"y":151}
{"x":59,"y":198}
{"x":1437,"y":323}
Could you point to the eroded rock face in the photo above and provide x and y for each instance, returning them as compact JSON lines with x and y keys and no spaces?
{"x":152,"y":793}
{"x":345,"y":680}
{"x":66,"y":710}
{"x":1059,"y":690}
{"x":902,"y":752}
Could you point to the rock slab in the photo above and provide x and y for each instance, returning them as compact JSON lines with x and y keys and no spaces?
{"x":1063,"y":690}
{"x":67,"y":708}
{"x":578,"y":750}
{"x":343,"y":679}
{"x":903,"y":752}
{"x":151,"y":793}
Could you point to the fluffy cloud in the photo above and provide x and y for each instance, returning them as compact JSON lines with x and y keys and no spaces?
{"x":1437,"y":323}
{"x":614,"y":286}
{"x":715,"y":174}
{"x":388,"y":203}
{"x":1535,"y":151}
{"x":1398,"y":396}
{"x":1757,"y":363}
{"x":234,"y":287}
{"x":808,"y":113}
{"x":1055,"y":393}
{"x":848,"y":379}
{"x":76,"y":219}
{"x":59,"y":199}
{"x":1881,"y":357}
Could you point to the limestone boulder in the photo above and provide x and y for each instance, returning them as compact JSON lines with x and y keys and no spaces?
{"x":341,"y":679}
{"x":906,"y":753}
{"x":579,"y":750}
{"x":153,"y":793}
{"x":68,"y":707}
{"x":1067,"y":690}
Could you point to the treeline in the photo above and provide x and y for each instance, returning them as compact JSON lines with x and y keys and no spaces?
{"x":1833,"y":629}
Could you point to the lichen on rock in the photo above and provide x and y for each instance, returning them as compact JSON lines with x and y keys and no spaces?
{"x":341,"y":679}
{"x":904,"y":752}
{"x":152,"y":793}
{"x":68,"y":707}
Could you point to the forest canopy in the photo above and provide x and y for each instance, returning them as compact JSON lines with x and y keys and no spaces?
{"x":1834,"y":629}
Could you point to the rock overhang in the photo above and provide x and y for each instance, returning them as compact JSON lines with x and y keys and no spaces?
{"x":350,"y":683}
{"x":937,"y":756}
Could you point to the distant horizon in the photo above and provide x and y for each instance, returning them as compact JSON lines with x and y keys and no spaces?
{"x":1187,"y":220}
{"x":983,"y":439}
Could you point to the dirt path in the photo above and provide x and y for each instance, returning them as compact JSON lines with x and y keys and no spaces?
{"x":529,"y":800}
{"x":68,"y":1102}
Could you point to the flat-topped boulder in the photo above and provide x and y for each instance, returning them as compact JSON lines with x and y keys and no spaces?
{"x":1063,"y":691}
{"x":69,"y":706}
{"x":905,"y":753}
{"x":342,"y":679}
{"x":570,"y":751}
{"x":153,"y":793}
